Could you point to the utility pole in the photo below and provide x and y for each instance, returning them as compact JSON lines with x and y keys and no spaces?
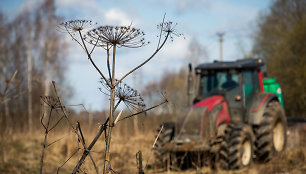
{"x":221,"y":49}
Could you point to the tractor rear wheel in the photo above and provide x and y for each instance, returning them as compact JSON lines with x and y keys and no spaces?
{"x":237,"y":152}
{"x":165,"y":136}
{"x":271,"y":133}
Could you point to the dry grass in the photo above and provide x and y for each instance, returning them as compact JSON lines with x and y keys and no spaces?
{"x":21,"y":153}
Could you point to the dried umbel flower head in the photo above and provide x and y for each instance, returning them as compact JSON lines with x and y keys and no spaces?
{"x":76,"y":25}
{"x":51,"y":101}
{"x":120,"y":36}
{"x":168,"y":28}
{"x":129,"y":96}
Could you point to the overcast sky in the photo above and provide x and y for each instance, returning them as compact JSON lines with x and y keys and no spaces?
{"x":197,"y":19}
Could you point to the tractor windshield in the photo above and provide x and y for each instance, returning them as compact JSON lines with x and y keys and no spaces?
{"x":217,"y":83}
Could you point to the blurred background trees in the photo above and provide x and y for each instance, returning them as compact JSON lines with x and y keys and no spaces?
{"x":31,"y":46}
{"x":174,"y":84}
{"x":281,"y":39}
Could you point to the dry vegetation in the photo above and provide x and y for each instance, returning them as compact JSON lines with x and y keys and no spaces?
{"x":21,"y":153}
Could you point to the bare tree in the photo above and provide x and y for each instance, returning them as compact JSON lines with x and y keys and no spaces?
{"x":23,"y":48}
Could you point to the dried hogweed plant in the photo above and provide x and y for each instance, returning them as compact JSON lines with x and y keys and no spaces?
{"x":110,"y":38}
{"x":54,"y":114}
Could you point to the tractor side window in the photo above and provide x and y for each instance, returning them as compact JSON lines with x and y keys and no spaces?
{"x":251,"y":85}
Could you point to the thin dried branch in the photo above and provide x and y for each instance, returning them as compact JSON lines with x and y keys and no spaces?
{"x":41,"y":121}
{"x":61,"y":106}
{"x":67,"y":160}
{"x":77,"y":105}
{"x":119,"y":115}
{"x":84,"y":145}
{"x":165,"y":101}
{"x":45,"y":140}
{"x":86,"y":152}
{"x":57,"y":140}
{"x":107,"y":62}
{"x":166,"y":28}
{"x":95,"y":45}
{"x":156,"y":51}
{"x":117,"y":104}
{"x":92,"y":62}
{"x":161,"y":31}
{"x":58,"y":121}
{"x":153,"y":146}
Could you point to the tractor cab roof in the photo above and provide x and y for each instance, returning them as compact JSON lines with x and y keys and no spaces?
{"x":238,"y":64}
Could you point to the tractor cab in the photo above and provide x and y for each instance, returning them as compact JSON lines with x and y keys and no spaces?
{"x":237,"y":82}
{"x":225,"y":93}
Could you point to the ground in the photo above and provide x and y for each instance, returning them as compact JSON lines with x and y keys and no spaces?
{"x":21,"y":153}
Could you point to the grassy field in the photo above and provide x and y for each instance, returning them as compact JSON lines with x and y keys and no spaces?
{"x":21,"y":153}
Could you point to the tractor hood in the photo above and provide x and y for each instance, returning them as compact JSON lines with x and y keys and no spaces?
{"x":210,"y":102}
{"x":190,"y":130}
{"x":194,"y":124}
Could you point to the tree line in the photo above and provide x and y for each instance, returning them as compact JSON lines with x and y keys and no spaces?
{"x":280,"y":38}
{"x":31,"y":55}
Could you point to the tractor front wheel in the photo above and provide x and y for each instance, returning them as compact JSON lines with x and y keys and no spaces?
{"x":237,"y":151}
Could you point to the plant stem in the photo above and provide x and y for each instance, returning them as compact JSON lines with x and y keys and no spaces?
{"x":92,"y":62}
{"x":45,"y":143}
{"x":112,"y":100}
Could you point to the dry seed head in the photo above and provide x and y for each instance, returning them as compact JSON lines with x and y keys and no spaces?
{"x":169,"y":28}
{"x":121,"y":36}
{"x":51,"y":101}
{"x":76,"y":25}
{"x":129,"y":96}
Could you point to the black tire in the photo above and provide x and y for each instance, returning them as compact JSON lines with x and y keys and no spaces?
{"x":271,"y":134}
{"x":216,"y":146}
{"x":165,"y":136}
{"x":237,"y":150}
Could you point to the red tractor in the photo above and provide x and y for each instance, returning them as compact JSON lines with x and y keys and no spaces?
{"x":237,"y":116}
